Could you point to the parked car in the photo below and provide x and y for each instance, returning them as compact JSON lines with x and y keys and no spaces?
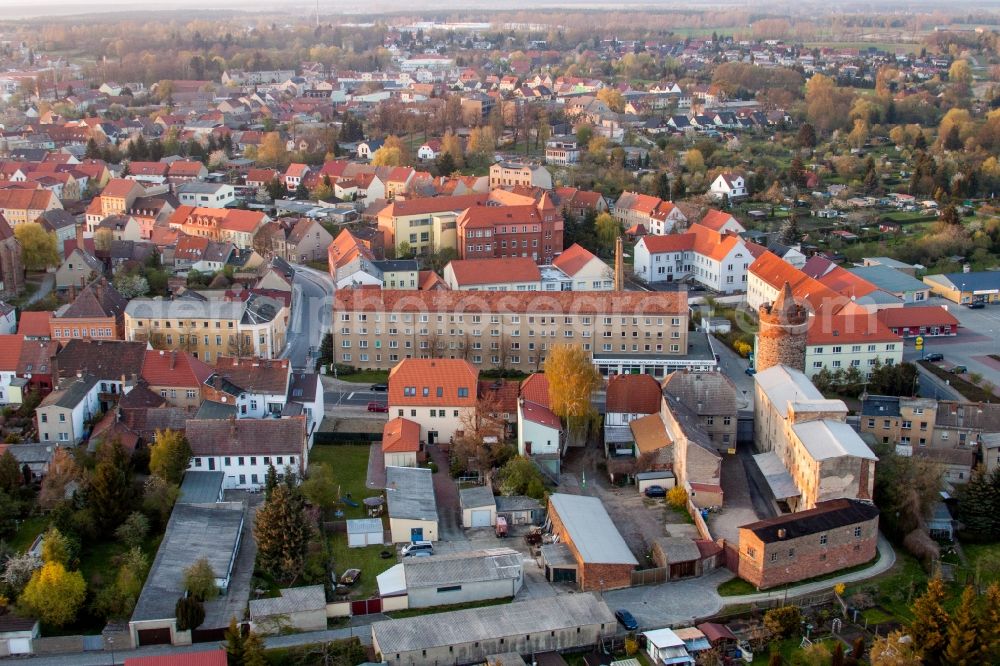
{"x":751,"y":371}
{"x":350,"y":577}
{"x":977,"y":305}
{"x":417,"y":546}
{"x":655,"y":491}
{"x":378,"y":407}
{"x":381,"y":388}
{"x":934,"y":357}
{"x":959,"y":370}
{"x":626,"y":619}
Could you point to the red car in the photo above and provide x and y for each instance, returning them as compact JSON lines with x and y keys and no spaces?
{"x":377,"y":407}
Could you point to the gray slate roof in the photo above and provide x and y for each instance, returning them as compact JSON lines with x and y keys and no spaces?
{"x":554,"y":613}
{"x":292,"y":600}
{"x":703,"y":392}
{"x":475,"y":497}
{"x":410,"y":493}
{"x":201,"y":487}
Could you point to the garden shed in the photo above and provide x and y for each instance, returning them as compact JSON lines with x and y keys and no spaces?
{"x":363,"y":532}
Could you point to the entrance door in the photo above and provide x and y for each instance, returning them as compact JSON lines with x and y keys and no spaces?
{"x":431,"y":437}
{"x":416,"y":534}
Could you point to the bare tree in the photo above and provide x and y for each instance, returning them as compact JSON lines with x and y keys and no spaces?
{"x":240,"y":345}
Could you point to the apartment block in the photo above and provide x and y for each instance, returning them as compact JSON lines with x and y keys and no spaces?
{"x":629,"y":333}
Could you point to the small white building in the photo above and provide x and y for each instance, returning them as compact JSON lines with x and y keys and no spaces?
{"x":479,"y":508}
{"x":665,"y":647}
{"x":363,"y":532}
{"x":730,"y":185}
{"x":472,"y":576}
{"x":298,"y":609}
{"x":17,"y":634}
{"x":206,"y":195}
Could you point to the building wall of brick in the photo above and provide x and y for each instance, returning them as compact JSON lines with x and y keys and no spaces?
{"x":591,"y":577}
{"x":791,"y":560}
{"x":781,"y":339}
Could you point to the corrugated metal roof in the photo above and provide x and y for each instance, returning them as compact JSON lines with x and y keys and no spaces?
{"x":410,"y":493}
{"x":471,"y":567}
{"x":292,"y":600}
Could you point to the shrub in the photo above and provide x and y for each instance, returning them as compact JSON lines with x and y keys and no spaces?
{"x":677,"y":497}
{"x":743,"y":348}
{"x":781,"y":622}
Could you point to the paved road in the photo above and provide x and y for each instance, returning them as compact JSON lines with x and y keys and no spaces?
{"x":978,"y":337}
{"x":311,"y":315}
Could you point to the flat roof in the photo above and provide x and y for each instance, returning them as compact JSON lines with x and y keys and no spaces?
{"x":194,"y":531}
{"x":469,"y":567}
{"x":364,"y":525}
{"x":594,"y":535}
{"x":777,"y":477}
{"x":889,"y":279}
{"x":827,"y":438}
{"x":555,"y":613}
{"x":409,"y":493}
{"x":782,"y":385}
{"x":201,"y":487}
{"x":292,"y":600}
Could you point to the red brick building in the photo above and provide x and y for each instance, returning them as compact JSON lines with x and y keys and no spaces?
{"x":590,"y":550}
{"x":835,"y":535}
{"x":529,"y":230}
{"x":917,"y":320}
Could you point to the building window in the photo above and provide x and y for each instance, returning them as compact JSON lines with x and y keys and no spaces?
{"x":857,"y":532}
{"x":822,"y":539}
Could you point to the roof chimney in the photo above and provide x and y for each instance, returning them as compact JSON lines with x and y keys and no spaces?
{"x":781,"y":533}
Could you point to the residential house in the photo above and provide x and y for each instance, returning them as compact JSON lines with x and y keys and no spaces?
{"x":840,"y":342}
{"x":655,"y":215}
{"x":562,"y":151}
{"x":97,"y":313}
{"x":176,"y":376}
{"x":437,"y":393}
{"x":580,"y":202}
{"x":506,"y":274}
{"x":78,"y":269}
{"x":510,"y":174}
{"x":728,"y":187}
{"x":582,"y":269}
{"x":181,"y":172}
{"x":257,"y":387}
{"x":305,"y":395}
{"x":210,"y":328}
{"x":219,"y":224}
{"x":717,"y":260}
{"x":63,"y":414}
{"x":712,"y":397}
{"x":294,"y":175}
{"x":120,"y":228}
{"x":697,"y":462}
{"x":20,"y":206}
{"x":628,"y":397}
{"x":307,"y":240}
{"x":206,"y":195}
{"x":532,"y":230}
{"x":60,"y":222}
{"x":244,"y":449}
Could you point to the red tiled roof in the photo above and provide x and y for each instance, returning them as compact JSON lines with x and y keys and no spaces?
{"x":429,"y":280}
{"x":119,"y":187}
{"x":847,"y":329}
{"x":185,"y":168}
{"x":255,"y":375}
{"x":633,"y":394}
{"x":10,"y":351}
{"x":491,"y":271}
{"x":490,"y":216}
{"x":715,"y":219}
{"x":174,"y":368}
{"x":26,"y":199}
{"x":434,"y":382}
{"x":540,"y":414}
{"x":432,"y":205}
{"x":572,"y":259}
{"x":536,"y":389}
{"x":35,"y":324}
{"x":920,"y":315}
{"x":401,"y":436}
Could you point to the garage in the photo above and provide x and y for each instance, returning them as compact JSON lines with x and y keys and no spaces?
{"x":363,"y":532}
{"x":159,"y":636}
{"x":479,"y":508}
{"x":19,"y":645}
{"x":16,"y":634}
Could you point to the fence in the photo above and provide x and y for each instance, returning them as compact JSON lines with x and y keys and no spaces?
{"x":360,"y":438}
{"x":650,"y":576}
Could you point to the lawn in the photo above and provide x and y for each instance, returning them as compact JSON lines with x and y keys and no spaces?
{"x":735,"y":587}
{"x":366,"y":377}
{"x":786,"y":648}
{"x":26,"y":533}
{"x":368,"y":559}
{"x":896,"y":589}
{"x":349,"y":464}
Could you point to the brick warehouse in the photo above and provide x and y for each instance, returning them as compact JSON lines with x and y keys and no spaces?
{"x":835,"y":535}
{"x":588,"y":543}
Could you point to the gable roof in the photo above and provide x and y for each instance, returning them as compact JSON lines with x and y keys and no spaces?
{"x":633,"y":394}
{"x":98,"y":299}
{"x":435,"y":382}
{"x":10,"y":351}
{"x":824,"y":517}
{"x":491,"y":271}
{"x":536,"y":389}
{"x":716,"y":219}
{"x":223,"y":437}
{"x":35,"y":324}
{"x":401,"y":436}
{"x":591,"y":529}
{"x":174,"y":368}
{"x":254,"y":375}
{"x":105,"y":359}
{"x":571,"y":260}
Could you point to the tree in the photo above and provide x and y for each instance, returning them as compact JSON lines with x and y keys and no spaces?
{"x":858,"y":135}
{"x":169,"y":456}
{"x":608,"y":231}
{"x":960,"y":72}
{"x":963,"y":632}
{"x":118,"y":599}
{"x":272,"y":151}
{"x":387,"y":156}
{"x":930,"y":622}
{"x":952,"y":140}
{"x":190,"y":613}
{"x":102,"y":240}
{"x":253,"y":650}
{"x":694,"y":161}
{"x":790,"y":234}
{"x":613,"y":98}
{"x":445,"y":164}
{"x":131,"y":285}
{"x":10,"y":473}
{"x":134,"y":530}
{"x":109,"y":493}
{"x":896,"y":649}
{"x":55,"y":547}
{"x":837,"y":658}
{"x":234,"y":643}
{"x":897,"y":379}
{"x":782,"y":621}
{"x":989,"y":625}
{"x":320,"y":487}
{"x":158,"y":498}
{"x":663,"y":186}
{"x":54,"y":595}
{"x":270,"y":481}
{"x":797,"y":172}
{"x":62,"y":471}
{"x":452,"y":145}
{"x":871,"y":183}
{"x":827,"y":106}
{"x":806,"y":137}
{"x":520,"y":476}
{"x":38,"y":247}
{"x":572,"y":379}
{"x":199,"y":580}
{"x":17,"y":571}
{"x":949,"y":215}
{"x":282,"y":534}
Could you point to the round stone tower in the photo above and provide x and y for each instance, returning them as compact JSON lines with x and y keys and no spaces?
{"x":781,"y":339}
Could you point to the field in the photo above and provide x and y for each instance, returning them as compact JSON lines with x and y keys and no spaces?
{"x":349,"y":464}
{"x":366,"y":377}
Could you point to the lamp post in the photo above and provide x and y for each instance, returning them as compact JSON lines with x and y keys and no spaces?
{"x":111,"y":645}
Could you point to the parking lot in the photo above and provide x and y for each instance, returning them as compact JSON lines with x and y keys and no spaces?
{"x":978,"y":337}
